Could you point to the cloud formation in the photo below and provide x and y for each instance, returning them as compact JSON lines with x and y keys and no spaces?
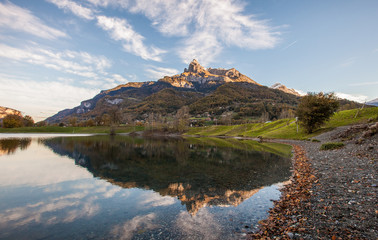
{"x":205,"y":25}
{"x":75,"y":8}
{"x":22,"y":20}
{"x":132,"y":42}
{"x":118,"y":29}
{"x":78,"y":63}
{"x":352,"y":97}
{"x":129,"y":228}
{"x":155,"y":73}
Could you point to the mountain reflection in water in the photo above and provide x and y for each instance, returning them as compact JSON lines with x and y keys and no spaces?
{"x":199,"y":172}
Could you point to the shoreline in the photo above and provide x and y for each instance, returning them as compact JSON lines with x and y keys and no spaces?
{"x":332,"y":195}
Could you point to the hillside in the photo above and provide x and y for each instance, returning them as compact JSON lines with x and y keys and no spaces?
{"x":373,"y":102}
{"x":286,"y":128}
{"x":209,"y":92}
{"x":212,"y":93}
{"x":4,"y":111}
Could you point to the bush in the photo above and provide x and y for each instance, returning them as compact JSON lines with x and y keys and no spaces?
{"x":28,"y":121}
{"x":315,"y":109}
{"x":331,"y":145}
{"x":12,"y":121}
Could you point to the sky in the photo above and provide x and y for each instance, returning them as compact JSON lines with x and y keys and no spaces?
{"x":56,"y":53}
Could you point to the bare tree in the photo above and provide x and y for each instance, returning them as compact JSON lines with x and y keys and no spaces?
{"x":182,"y":118}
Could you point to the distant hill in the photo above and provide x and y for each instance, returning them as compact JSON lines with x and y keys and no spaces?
{"x":373,"y":102}
{"x":4,"y":111}
{"x":285,"y":89}
{"x":208,"y":93}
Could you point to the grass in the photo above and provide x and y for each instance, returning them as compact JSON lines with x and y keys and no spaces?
{"x":331,"y":145}
{"x":283,"y":128}
{"x":286,"y":128}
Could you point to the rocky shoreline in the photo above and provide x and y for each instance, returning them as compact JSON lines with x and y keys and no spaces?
{"x":332,"y":194}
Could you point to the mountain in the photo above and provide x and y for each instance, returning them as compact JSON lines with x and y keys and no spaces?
{"x":207,"y":92}
{"x":373,"y":102}
{"x":4,"y":111}
{"x":285,"y":89}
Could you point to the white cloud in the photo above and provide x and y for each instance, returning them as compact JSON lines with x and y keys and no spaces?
{"x":41,"y":99}
{"x":156,"y":73}
{"x":78,"y":63}
{"x":156,"y":200}
{"x":207,"y":25}
{"x":75,"y":8}
{"x":106,"y":3}
{"x":352,"y":97}
{"x":198,"y":225}
{"x":363,"y":84}
{"x":115,"y":79}
{"x":302,"y":93}
{"x":202,"y":46}
{"x":129,"y":228}
{"x":19,"y":19}
{"x":121,"y":30}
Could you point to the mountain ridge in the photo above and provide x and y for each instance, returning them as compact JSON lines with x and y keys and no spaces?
{"x":207,"y":92}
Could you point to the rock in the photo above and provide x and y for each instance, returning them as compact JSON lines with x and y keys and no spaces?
{"x":290,"y":235}
{"x":285,"y":89}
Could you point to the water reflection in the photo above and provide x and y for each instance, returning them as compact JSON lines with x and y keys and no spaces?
{"x":197,"y":173}
{"x":10,"y":145}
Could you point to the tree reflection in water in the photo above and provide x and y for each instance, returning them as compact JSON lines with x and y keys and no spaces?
{"x":10,"y":145}
{"x":199,"y":172}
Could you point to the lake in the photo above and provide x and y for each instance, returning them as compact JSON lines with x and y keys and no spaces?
{"x":103,"y":187}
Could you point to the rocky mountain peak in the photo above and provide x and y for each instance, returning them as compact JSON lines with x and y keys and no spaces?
{"x":195,"y":67}
{"x":285,"y":89}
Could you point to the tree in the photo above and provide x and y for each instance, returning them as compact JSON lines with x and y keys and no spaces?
{"x":182,"y":118}
{"x":12,"y":121}
{"x":114,"y":116}
{"x":28,"y":121}
{"x":315,"y":109}
{"x":106,"y":119}
{"x":73,"y":121}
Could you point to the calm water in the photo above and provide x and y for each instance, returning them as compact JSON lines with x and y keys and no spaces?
{"x":101,"y":187}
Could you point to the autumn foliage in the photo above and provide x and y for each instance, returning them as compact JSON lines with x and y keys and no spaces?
{"x":15,"y":121}
{"x":286,"y":218}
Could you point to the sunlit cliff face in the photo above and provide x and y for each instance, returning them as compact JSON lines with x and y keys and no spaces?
{"x":195,"y":73}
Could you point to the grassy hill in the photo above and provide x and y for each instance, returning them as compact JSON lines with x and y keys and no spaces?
{"x":286,"y":128}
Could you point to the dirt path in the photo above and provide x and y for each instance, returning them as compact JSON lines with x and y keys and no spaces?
{"x":333,"y":194}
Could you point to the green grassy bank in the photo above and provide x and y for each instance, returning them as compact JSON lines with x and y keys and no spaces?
{"x":283,"y":128}
{"x":286,"y":128}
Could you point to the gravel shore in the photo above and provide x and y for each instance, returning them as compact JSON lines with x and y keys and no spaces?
{"x":333,"y":194}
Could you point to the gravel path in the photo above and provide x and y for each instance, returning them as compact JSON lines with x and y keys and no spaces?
{"x":342,"y":198}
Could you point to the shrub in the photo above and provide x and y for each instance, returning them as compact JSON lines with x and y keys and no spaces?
{"x":12,"y":121}
{"x":28,"y":121}
{"x":315,"y":109}
{"x":331,"y":145}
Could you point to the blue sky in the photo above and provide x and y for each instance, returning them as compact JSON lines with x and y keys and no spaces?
{"x":56,"y":53}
